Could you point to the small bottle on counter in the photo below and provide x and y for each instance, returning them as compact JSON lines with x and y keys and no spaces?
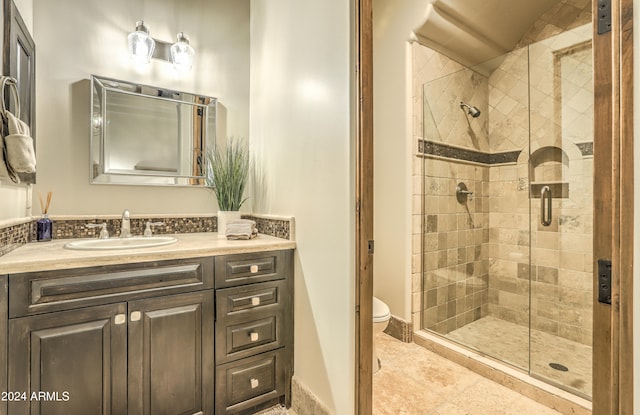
{"x":44,"y":228}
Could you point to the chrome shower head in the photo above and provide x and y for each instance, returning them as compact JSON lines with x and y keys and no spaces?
{"x":471,"y":110}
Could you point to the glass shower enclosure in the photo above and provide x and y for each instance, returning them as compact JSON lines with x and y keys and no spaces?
{"x":507,"y":196}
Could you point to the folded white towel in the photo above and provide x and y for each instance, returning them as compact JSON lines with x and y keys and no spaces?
{"x":241,"y":229}
{"x":21,"y":156}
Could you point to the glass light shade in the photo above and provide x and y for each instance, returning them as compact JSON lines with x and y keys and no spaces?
{"x":182,"y":53}
{"x":141,"y":45}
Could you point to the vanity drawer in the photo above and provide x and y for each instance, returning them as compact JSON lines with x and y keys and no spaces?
{"x":236,"y":302}
{"x":249,"y":382}
{"x":250,"y":320}
{"x":232,"y":270}
{"x":40,"y":292}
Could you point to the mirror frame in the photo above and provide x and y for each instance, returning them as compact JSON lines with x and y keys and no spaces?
{"x":19,"y":62}
{"x":204,"y":133}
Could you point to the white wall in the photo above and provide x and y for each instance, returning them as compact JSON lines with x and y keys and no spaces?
{"x":301,"y":132}
{"x":77,"y":38}
{"x":393,"y":23}
{"x":15,"y":198}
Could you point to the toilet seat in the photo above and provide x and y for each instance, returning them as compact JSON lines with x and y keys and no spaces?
{"x":381,"y":312}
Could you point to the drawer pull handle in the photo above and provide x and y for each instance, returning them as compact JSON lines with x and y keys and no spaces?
{"x":253,"y":269}
{"x":254,"y":383}
{"x":120,"y":319}
{"x":135,"y":316}
{"x":254,"y":336}
{"x":255,"y":301}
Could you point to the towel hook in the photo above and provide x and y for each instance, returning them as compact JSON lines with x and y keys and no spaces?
{"x":8,"y":80}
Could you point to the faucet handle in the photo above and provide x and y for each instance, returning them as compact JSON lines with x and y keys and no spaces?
{"x":148,"y":231}
{"x":104,"y":234}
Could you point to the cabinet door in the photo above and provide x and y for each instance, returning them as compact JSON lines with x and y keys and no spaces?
{"x":70,"y":362}
{"x":171,"y":365}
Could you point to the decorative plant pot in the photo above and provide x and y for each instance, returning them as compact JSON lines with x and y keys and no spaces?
{"x":224,"y":217}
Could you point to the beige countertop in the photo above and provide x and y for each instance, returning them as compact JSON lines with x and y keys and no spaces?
{"x":44,"y":256}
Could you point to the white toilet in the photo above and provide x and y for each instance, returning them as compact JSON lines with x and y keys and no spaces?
{"x":381,"y":316}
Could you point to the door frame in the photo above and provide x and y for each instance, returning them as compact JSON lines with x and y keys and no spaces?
{"x":364,"y":207}
{"x":613,"y":209}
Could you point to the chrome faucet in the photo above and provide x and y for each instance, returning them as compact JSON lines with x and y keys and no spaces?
{"x":125,"y":229}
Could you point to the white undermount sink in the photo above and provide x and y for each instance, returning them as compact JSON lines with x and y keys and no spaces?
{"x":120,"y":243}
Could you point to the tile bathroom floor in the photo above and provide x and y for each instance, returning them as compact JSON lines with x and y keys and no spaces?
{"x":415,"y":381}
{"x":509,"y":342}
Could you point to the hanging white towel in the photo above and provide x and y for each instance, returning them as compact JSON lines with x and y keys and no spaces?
{"x":21,"y":156}
{"x":4,"y":170}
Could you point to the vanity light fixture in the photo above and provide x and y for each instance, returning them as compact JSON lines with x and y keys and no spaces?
{"x":141,"y":44}
{"x":182,"y":53}
{"x":143,"y":47}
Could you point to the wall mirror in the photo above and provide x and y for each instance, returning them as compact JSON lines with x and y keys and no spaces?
{"x":145,"y":135}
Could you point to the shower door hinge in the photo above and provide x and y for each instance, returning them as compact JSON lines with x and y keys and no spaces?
{"x":604,"y":16}
{"x":604,"y":281}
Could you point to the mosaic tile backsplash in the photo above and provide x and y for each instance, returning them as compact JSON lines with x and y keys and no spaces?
{"x":14,"y":236}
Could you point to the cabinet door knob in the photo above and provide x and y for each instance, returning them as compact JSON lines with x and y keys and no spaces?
{"x":254,"y":336}
{"x":120,"y":319}
{"x":255,"y":300}
{"x":135,"y":315}
{"x":254,"y":383}
{"x":253,"y":269}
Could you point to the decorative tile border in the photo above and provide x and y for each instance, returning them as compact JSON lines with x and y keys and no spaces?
{"x":585,"y":148}
{"x":400,"y":329}
{"x":443,"y":150}
{"x":14,"y":235}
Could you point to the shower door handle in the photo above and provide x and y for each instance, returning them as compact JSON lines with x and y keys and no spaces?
{"x":545,"y":211}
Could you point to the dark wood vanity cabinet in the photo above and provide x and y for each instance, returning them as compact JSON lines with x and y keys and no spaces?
{"x":254,"y":330}
{"x":151,"y":338}
{"x":79,"y":357}
{"x":169,"y":357}
{"x":129,"y":339}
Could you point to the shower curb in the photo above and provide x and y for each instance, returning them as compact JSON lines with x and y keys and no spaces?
{"x":543,"y":393}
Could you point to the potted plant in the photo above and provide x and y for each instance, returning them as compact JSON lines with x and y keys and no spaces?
{"x":227,"y":175}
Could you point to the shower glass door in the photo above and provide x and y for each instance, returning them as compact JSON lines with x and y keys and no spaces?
{"x":561,"y":182}
{"x":507,"y":206}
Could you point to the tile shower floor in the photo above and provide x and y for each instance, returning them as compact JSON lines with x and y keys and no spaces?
{"x":415,"y":381}
{"x":509,"y":342}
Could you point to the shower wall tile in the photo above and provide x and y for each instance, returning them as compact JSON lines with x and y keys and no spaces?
{"x":456,"y":266}
{"x":565,"y":15}
{"x":439,"y":85}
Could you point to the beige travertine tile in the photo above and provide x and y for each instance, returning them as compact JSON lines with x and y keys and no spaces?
{"x":513,"y":348}
{"x":415,"y":381}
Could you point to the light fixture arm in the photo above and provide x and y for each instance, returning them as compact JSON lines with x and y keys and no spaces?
{"x":162,"y":50}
